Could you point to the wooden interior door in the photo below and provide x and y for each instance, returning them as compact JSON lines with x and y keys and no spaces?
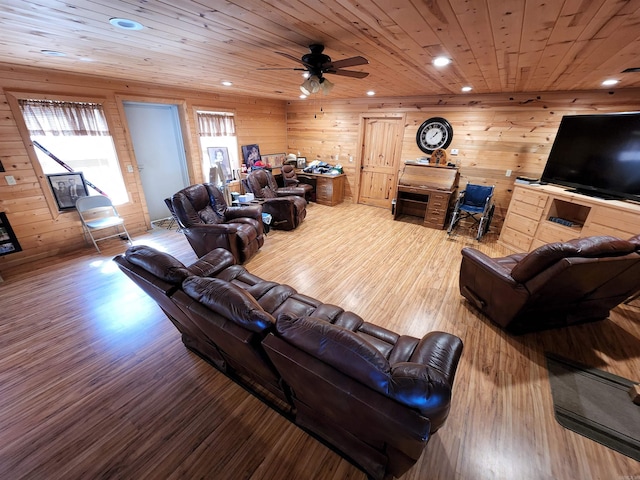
{"x":379,"y":160}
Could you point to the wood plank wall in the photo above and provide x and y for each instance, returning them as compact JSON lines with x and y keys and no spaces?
{"x":41,"y":230}
{"x":494,"y":133}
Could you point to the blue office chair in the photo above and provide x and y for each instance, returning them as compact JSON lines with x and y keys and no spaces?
{"x":474,"y":201}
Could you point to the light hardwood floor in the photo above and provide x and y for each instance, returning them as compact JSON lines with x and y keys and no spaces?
{"x":95,"y":382}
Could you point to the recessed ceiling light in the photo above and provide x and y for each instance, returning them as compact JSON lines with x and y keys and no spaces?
{"x":126,"y":24}
{"x":441,"y":61}
{"x":53,"y":53}
{"x":227,"y":83}
{"x":303,"y":96}
{"x":466,"y":89}
{"x":609,"y":82}
{"x":371,"y":93}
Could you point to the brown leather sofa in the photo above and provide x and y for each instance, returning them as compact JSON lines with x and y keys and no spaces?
{"x":208,"y":222}
{"x":370,"y":393}
{"x":555,"y":285}
{"x":286,"y":205}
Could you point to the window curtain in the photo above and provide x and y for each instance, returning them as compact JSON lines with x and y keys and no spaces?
{"x":216,"y":125}
{"x":48,"y":117}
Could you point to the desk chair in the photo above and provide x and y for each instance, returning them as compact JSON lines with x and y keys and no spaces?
{"x":98,"y":213}
{"x":474,"y":201}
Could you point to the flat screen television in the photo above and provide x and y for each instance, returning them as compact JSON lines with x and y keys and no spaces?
{"x":597,"y":155}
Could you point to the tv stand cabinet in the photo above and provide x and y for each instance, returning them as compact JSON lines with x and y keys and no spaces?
{"x":540,"y":214}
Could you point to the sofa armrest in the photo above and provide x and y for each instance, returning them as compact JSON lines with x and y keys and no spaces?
{"x":488,"y":285}
{"x":423,"y":388}
{"x":488,"y":264}
{"x":205,"y":238}
{"x":212,"y":263}
{"x":251,"y":211}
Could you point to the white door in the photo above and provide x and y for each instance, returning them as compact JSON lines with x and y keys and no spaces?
{"x":157,"y":143}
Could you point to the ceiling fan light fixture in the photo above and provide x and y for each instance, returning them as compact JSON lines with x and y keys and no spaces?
{"x":326,"y":86}
{"x":311,"y":85}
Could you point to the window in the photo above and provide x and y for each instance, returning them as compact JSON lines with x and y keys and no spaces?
{"x":76,"y":133}
{"x":218,"y":137}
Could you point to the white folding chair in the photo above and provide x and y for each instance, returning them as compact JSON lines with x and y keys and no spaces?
{"x":98,"y":213}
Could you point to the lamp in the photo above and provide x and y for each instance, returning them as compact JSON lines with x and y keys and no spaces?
{"x":326,"y":86}
{"x":314,"y":84}
{"x":310,"y":85}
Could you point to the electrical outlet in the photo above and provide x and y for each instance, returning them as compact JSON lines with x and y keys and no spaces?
{"x":10,"y":180}
{"x":508,"y":174}
{"x":351,"y":158}
{"x":454,"y":151}
{"x":130,"y":168}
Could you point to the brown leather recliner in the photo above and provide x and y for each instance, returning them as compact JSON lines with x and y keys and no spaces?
{"x":291,"y":180}
{"x":555,"y":285}
{"x":208,"y":222}
{"x":287,"y":208}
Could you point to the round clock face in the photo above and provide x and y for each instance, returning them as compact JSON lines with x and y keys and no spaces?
{"x":433,"y":134}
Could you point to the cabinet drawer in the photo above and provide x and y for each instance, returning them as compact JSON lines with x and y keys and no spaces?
{"x":535,"y":199}
{"x":533,"y":212}
{"x":435,"y":217}
{"x":521,"y":224}
{"x":520,"y":242}
{"x":528,"y":204}
{"x":615,"y":222}
{"x":550,"y":232}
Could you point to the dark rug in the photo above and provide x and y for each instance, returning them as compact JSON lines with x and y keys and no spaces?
{"x":595,"y":404}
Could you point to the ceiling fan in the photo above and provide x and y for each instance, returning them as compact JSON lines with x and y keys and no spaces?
{"x":317,"y":64}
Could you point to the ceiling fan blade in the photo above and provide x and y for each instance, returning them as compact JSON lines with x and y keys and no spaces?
{"x":348,"y":73}
{"x":348,"y":62}
{"x":291,"y":57}
{"x":283,"y":68}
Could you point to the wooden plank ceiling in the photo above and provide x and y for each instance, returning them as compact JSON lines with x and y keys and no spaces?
{"x":495,"y":45}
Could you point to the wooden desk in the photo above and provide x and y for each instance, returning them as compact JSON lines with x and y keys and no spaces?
{"x":426,"y":191}
{"x":329,"y":188}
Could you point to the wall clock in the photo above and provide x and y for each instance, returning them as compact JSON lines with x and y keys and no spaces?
{"x":433,"y":134}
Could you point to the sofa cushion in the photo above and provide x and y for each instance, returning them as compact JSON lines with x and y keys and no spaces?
{"x":160,"y":264}
{"x":212,"y":263}
{"x":229,"y":301}
{"x":338,"y":347}
{"x":543,"y":257}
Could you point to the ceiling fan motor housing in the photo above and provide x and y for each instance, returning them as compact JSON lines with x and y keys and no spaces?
{"x":315,"y":60}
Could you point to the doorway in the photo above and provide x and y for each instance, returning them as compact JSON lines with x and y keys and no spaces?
{"x":159,"y":149}
{"x":379,"y":160}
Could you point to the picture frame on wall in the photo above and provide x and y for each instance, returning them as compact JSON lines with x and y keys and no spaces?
{"x":219,"y":157}
{"x":301,"y":162}
{"x":251,"y":156}
{"x":273,"y":160}
{"x":8,"y":241}
{"x":67,"y":188}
